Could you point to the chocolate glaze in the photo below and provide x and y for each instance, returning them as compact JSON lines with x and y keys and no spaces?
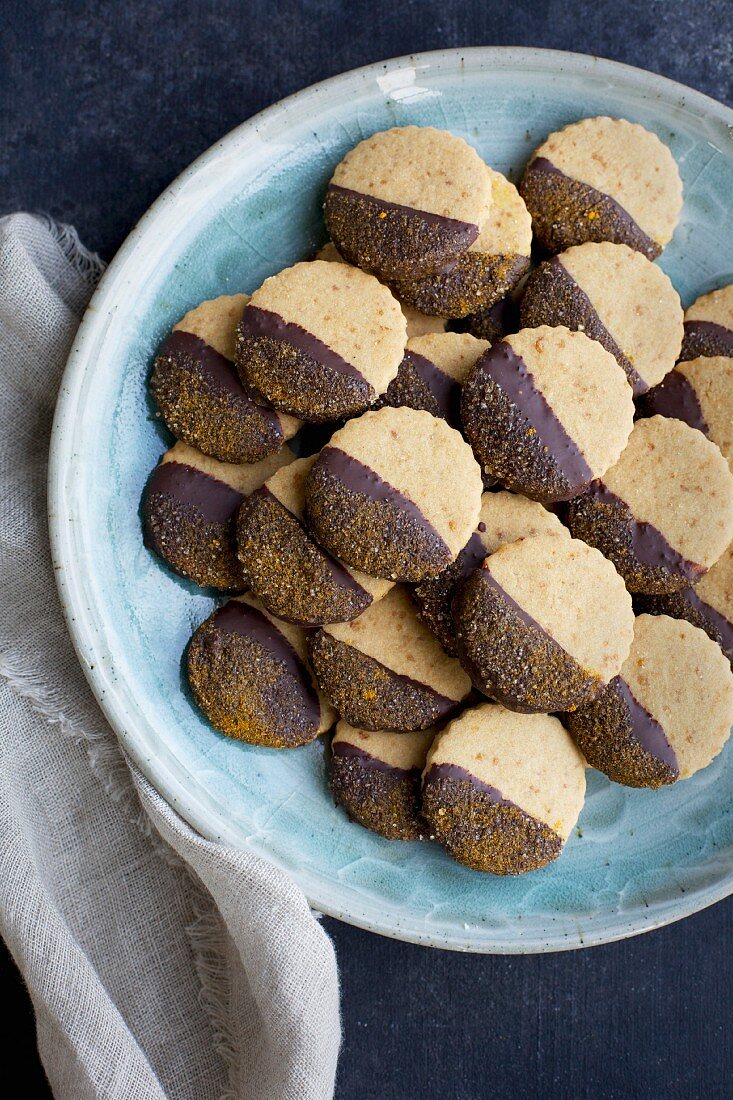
{"x":466,"y":232}
{"x":219,"y":369}
{"x":509,"y":371}
{"x":706,"y":338}
{"x":645,"y":728}
{"x":472,"y":554}
{"x":345,"y":748}
{"x":649,"y":544}
{"x":453,"y":771}
{"x":675,"y":397}
{"x":445,"y":390}
{"x":264,"y":323}
{"x":215,"y":501}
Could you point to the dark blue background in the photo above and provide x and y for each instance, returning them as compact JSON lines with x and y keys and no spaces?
{"x":101,"y":105}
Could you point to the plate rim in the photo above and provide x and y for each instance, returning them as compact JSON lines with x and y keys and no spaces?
{"x":69,"y":571}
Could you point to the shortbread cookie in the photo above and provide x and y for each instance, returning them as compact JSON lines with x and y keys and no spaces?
{"x":407,"y":201}
{"x":709,"y":605}
{"x":189,"y":512}
{"x":546,"y":411}
{"x":386,"y":670}
{"x":493,"y":323}
{"x":283,"y":565}
{"x":396,"y":493}
{"x":616,"y":296}
{"x":376,"y":778}
{"x":709,"y":325}
{"x":664,"y":513}
{"x":248,"y":673}
{"x":320,"y":341}
{"x":603,"y":179}
{"x":432,"y":372}
{"x":199,"y":395}
{"x":487,"y":271}
{"x":700,"y":392}
{"x":544,"y":624}
{"x":504,"y":517}
{"x":667,"y":714}
{"x":501,"y":791}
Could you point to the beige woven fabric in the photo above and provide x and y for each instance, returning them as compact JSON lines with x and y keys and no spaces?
{"x":160,"y":965}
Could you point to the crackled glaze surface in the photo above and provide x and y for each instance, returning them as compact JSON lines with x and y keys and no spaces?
{"x":245,"y":209}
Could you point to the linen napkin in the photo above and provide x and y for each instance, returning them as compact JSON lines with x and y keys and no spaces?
{"x":160,"y":965}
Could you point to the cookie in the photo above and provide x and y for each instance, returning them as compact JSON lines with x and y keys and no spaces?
{"x":283,"y":565}
{"x":248,"y":674}
{"x":395,"y":493}
{"x":488,"y":270}
{"x":666,"y":715}
{"x":546,"y":411}
{"x":502,"y":791}
{"x":603,"y":179}
{"x":189,"y":511}
{"x":492,"y":323}
{"x":615,"y":296}
{"x":700,"y":392}
{"x":407,"y":201}
{"x":418,"y":324}
{"x":320,"y":341}
{"x":199,"y":395}
{"x":709,"y":325}
{"x":709,"y":605}
{"x":664,"y":513}
{"x":432,"y":372}
{"x":528,"y":628}
{"x":386,"y":670}
{"x":504,"y":517}
{"x":376,"y":778}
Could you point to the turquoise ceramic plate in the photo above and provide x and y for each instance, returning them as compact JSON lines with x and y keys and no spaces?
{"x":246,"y":208}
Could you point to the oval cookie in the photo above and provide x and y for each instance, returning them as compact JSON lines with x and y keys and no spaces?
{"x":433,"y":369}
{"x":709,"y":325}
{"x":700,"y":392}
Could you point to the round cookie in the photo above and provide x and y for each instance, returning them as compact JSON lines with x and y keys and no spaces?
{"x":386,"y":670}
{"x":199,"y":395}
{"x":603,"y":179}
{"x":248,"y":674}
{"x":709,"y":325}
{"x":546,"y":411}
{"x":431,"y":374}
{"x":504,"y":517}
{"x":407,"y":201}
{"x":528,"y":628}
{"x":664,"y":513}
{"x":282,"y":564}
{"x":189,"y":511}
{"x":320,"y":341}
{"x":488,"y":270}
{"x":617,"y":297}
{"x":700,"y":392}
{"x":376,"y":778}
{"x":396,"y":493}
{"x":666,"y":715}
{"x":492,"y":323}
{"x":709,"y":605}
{"x":502,"y":791}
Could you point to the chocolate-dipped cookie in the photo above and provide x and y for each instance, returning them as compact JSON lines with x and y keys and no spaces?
{"x":376,"y":778}
{"x":189,"y":511}
{"x":666,"y":715}
{"x":603,"y":179}
{"x":407,"y":201}
{"x":546,"y":411}
{"x":386,"y":670}
{"x":248,"y":673}
{"x":431,"y":374}
{"x":616,"y":296}
{"x":320,"y":341}
{"x":709,"y":325}
{"x":395,"y":493}
{"x":488,"y":270}
{"x":199,"y":395}
{"x":700,"y":392}
{"x":504,"y":517}
{"x":664,"y":513}
{"x":502,"y":791}
{"x":709,"y":605}
{"x":528,"y":628}
{"x":492,"y":323}
{"x":283,"y":565}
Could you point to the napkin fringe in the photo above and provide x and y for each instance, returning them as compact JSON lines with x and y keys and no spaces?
{"x":208,"y":937}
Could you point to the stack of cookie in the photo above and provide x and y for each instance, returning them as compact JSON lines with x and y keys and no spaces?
{"x":477,"y":516}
